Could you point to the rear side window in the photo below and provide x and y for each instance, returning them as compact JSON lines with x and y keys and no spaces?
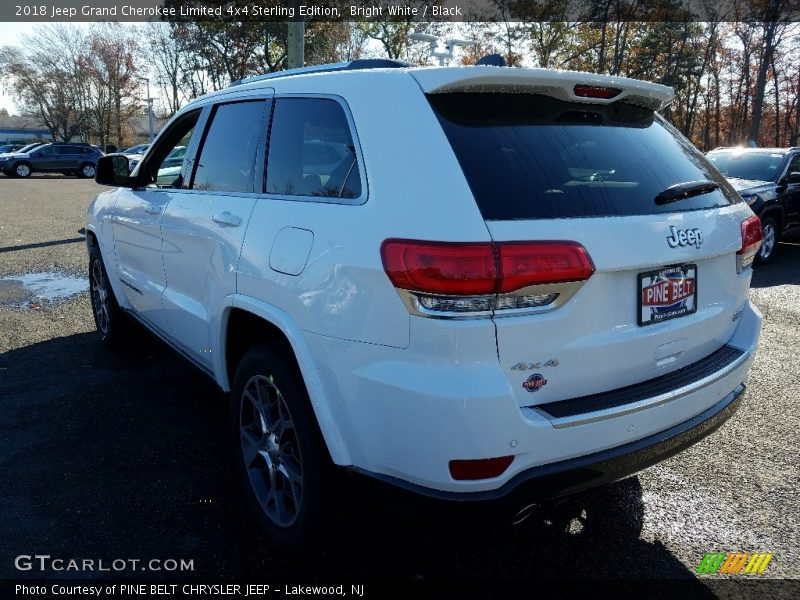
{"x":528,"y":156}
{"x":311,"y":150}
{"x":227,"y":158}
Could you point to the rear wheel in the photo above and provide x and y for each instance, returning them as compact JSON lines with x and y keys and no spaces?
{"x":87,"y":171}
{"x":288,"y":476}
{"x":771,"y":239}
{"x":22,"y":169}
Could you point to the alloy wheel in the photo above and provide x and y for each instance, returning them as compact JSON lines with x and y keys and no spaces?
{"x":768,"y":244}
{"x":100,"y":298}
{"x":270,"y":450}
{"x":23,"y":170}
{"x":88,"y":171}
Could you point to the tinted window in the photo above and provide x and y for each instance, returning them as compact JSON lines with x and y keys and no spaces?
{"x":228,"y":156}
{"x":760,"y":166}
{"x":534,"y":157}
{"x":47,"y":151}
{"x":794,"y":165}
{"x":311,"y":150}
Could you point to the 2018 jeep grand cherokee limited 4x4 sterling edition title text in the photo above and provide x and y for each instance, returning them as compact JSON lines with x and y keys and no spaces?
{"x":456,"y":280}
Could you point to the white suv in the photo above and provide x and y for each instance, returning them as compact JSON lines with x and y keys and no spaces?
{"x":462,"y":281}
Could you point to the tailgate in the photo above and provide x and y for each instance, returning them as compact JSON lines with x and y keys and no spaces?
{"x":594,"y":342}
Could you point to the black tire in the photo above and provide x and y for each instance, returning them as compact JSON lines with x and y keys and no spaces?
{"x":22,"y":169}
{"x":87,"y":171}
{"x":112,"y":324}
{"x":772,"y":236}
{"x":295,"y":512}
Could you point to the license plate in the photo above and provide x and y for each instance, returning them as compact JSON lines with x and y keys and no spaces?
{"x":667,"y":294}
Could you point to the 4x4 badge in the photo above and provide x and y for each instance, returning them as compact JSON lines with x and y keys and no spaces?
{"x":684,"y":237}
{"x":523,"y":366}
{"x":535,"y":382}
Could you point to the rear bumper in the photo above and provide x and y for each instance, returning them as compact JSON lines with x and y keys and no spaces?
{"x":576,"y":474}
{"x":405,"y":419}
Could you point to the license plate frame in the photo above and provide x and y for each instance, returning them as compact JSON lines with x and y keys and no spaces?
{"x":666,"y":293}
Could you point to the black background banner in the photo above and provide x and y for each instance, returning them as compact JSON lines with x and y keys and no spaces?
{"x":415,"y":10}
{"x":267,"y":587}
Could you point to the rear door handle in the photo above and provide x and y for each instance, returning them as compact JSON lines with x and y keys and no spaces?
{"x":152,"y":209}
{"x":226,"y":218}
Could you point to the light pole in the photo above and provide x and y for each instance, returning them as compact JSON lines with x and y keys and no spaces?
{"x":149,"y":108}
{"x":295,"y":50}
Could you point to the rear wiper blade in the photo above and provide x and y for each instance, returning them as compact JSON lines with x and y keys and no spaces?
{"x":679,"y":191}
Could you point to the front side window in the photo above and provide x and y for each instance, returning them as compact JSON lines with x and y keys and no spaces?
{"x":227,"y":160}
{"x":161,"y":168}
{"x":311,"y":150}
{"x":794,"y":164}
{"x":47,"y":151}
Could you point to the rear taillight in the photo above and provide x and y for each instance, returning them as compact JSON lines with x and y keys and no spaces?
{"x":593,"y":91}
{"x":752,"y":235}
{"x":535,"y":263}
{"x":483,"y":277}
{"x":441,"y":268}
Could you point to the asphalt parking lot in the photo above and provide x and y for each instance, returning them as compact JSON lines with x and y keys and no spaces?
{"x":124,"y":455}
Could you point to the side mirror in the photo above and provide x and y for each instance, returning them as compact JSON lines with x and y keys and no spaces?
{"x":793,"y":177}
{"x":112,"y":169}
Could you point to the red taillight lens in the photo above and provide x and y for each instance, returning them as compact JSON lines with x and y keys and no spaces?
{"x":483,"y":468}
{"x":533,"y":263}
{"x":467,"y":269}
{"x":752,"y":236}
{"x":593,"y":91}
{"x":472,"y":269}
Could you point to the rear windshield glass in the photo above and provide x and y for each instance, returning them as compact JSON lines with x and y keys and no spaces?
{"x":761,"y":166}
{"x":528,"y":156}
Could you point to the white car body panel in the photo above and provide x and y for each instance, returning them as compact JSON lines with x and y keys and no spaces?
{"x":200,"y":258}
{"x":138,"y":251}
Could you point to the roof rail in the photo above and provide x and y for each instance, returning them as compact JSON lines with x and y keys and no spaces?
{"x":352,"y":65}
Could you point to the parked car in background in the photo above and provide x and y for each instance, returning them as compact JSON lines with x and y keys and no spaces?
{"x":57,"y":157}
{"x":10,"y":148}
{"x":138,"y":149}
{"x":465,"y":282}
{"x":769,"y":181}
{"x":174,"y":158}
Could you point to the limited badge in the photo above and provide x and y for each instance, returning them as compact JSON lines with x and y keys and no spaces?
{"x":535,"y":382}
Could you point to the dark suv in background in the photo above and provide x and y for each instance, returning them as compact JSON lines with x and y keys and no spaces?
{"x":58,"y":157}
{"x":769,"y":181}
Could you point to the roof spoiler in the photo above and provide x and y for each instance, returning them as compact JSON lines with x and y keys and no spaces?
{"x":571,"y":86}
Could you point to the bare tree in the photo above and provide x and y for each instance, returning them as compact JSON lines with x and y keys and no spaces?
{"x":46,"y":79}
{"x":111,"y":63}
{"x":772,"y":29}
